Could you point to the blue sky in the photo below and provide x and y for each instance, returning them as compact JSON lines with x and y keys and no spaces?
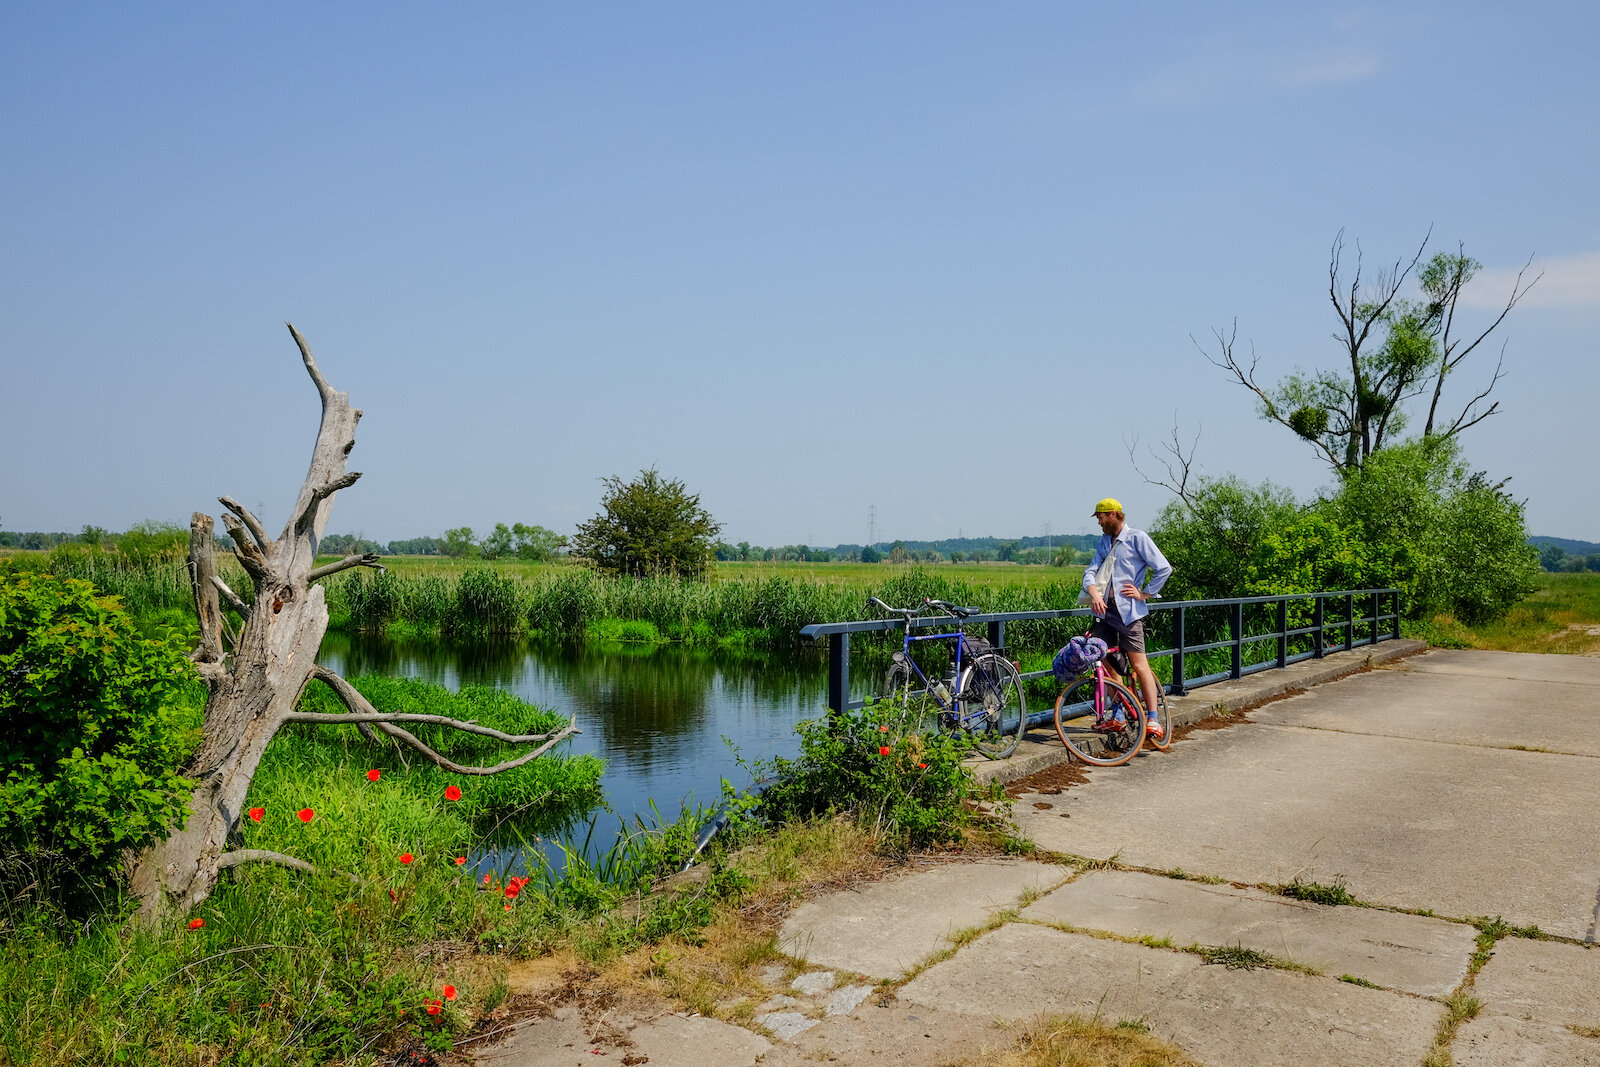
{"x":941,"y":259}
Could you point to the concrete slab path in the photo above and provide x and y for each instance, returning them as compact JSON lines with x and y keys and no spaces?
{"x":884,"y":929}
{"x":1322,"y":787}
{"x":1219,"y":1016}
{"x":1405,"y":952}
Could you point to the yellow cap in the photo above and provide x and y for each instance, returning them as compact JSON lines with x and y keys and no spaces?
{"x":1108,"y":504}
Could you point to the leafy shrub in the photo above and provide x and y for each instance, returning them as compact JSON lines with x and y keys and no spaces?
{"x":874,"y":764}
{"x":1411,"y":518}
{"x":96,"y":723}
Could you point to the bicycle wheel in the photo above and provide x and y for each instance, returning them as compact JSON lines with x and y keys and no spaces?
{"x":1162,"y":715}
{"x":902,"y":684}
{"x":992,"y":707}
{"x":1075,"y":719}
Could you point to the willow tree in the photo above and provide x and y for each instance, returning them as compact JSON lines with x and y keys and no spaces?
{"x":256,"y":670}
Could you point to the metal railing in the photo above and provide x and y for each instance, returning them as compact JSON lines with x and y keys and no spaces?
{"x":1372,"y":601}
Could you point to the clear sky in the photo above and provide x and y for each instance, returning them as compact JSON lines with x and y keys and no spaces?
{"x":938,"y":258}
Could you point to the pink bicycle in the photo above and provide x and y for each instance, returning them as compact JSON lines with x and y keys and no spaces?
{"x":1100,"y":720}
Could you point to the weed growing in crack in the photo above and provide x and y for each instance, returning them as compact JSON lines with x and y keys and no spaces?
{"x":1318,"y":892}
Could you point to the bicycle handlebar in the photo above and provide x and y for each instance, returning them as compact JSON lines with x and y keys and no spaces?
{"x":911,"y":613}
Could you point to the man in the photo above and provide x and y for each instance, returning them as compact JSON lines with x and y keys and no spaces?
{"x":1112,"y":583}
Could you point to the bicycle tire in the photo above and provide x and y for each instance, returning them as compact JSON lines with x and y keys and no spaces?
{"x":901,"y":683}
{"x":1075,"y":724}
{"x":992,"y":705}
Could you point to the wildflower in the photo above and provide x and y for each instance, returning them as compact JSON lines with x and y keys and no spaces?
{"x":306,"y":814}
{"x":374,"y":774}
{"x":486,"y":879}
{"x":257,"y":813}
{"x":449,"y":992}
{"x":195,"y":924}
{"x":406,"y":857}
{"x":433,"y":1007}
{"x":883,"y":750}
{"x":508,"y":907}
{"x":883,"y":729}
{"x":460,"y":860}
{"x":452,"y":793}
{"x":392,"y":896}
{"x":922,"y":766}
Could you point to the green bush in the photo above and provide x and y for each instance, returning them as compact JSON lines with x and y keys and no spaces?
{"x":1411,"y":518}
{"x":95,"y":722}
{"x":874,"y":764}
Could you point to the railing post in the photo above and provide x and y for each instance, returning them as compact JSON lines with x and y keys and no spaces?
{"x":1376,"y":600}
{"x":1283,"y":633}
{"x":1394,"y":598}
{"x":1349,"y":621}
{"x":1319,"y":619}
{"x":997,"y":633}
{"x":1178,"y":688}
{"x":1236,"y":625}
{"x":838,"y":673}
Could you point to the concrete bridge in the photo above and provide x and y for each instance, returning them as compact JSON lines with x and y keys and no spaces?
{"x":1451,"y":799}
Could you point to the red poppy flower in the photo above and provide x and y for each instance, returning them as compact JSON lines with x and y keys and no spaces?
{"x":406,"y":857}
{"x":883,"y":729}
{"x":883,"y":751}
{"x":195,"y":924}
{"x":486,"y":878}
{"x":392,"y":896}
{"x":922,"y":766}
{"x":508,"y":907}
{"x":460,"y":860}
{"x":306,"y":814}
{"x":256,"y":814}
{"x":449,"y":992}
{"x":374,"y":774}
{"x":452,"y":793}
{"x":433,"y":1007}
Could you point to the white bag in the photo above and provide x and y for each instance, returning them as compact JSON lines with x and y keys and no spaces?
{"x":1102,"y":579}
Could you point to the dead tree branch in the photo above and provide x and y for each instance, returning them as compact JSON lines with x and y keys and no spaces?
{"x":257,"y":532}
{"x":234,"y":600}
{"x":1451,"y":358}
{"x":261,"y":855}
{"x":1179,"y":464}
{"x":359,"y":559}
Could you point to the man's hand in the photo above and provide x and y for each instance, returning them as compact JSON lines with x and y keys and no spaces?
{"x":1097,"y":603}
{"x":1133,"y":592}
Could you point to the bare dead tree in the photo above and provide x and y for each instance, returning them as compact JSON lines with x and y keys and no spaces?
{"x":255,"y":676}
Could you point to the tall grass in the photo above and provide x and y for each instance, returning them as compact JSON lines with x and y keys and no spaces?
{"x":291,"y":968}
{"x":569,"y":603}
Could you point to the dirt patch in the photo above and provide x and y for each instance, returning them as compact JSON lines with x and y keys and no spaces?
{"x":1049,"y":781}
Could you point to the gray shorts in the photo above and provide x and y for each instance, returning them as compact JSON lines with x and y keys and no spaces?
{"x":1128,"y":637}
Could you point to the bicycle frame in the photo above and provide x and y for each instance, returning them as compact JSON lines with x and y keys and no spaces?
{"x":1100,"y":673}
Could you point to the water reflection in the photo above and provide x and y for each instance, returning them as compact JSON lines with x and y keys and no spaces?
{"x":657,"y":715}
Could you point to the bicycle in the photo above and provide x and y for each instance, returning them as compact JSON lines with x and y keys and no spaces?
{"x":1086,"y":717}
{"x":987,"y":706}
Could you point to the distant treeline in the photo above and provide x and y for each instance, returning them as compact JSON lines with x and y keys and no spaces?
{"x":1058,"y":551}
{"x":1565,"y":554}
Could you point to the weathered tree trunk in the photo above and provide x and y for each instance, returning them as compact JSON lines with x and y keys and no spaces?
{"x":253,"y":691}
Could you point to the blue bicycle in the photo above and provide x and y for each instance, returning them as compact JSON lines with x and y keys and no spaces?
{"x":980,"y":699}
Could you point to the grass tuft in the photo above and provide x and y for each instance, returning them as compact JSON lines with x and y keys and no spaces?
{"x":1318,"y":892}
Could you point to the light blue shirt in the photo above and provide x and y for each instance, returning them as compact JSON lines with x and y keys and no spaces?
{"x":1132,"y":553}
